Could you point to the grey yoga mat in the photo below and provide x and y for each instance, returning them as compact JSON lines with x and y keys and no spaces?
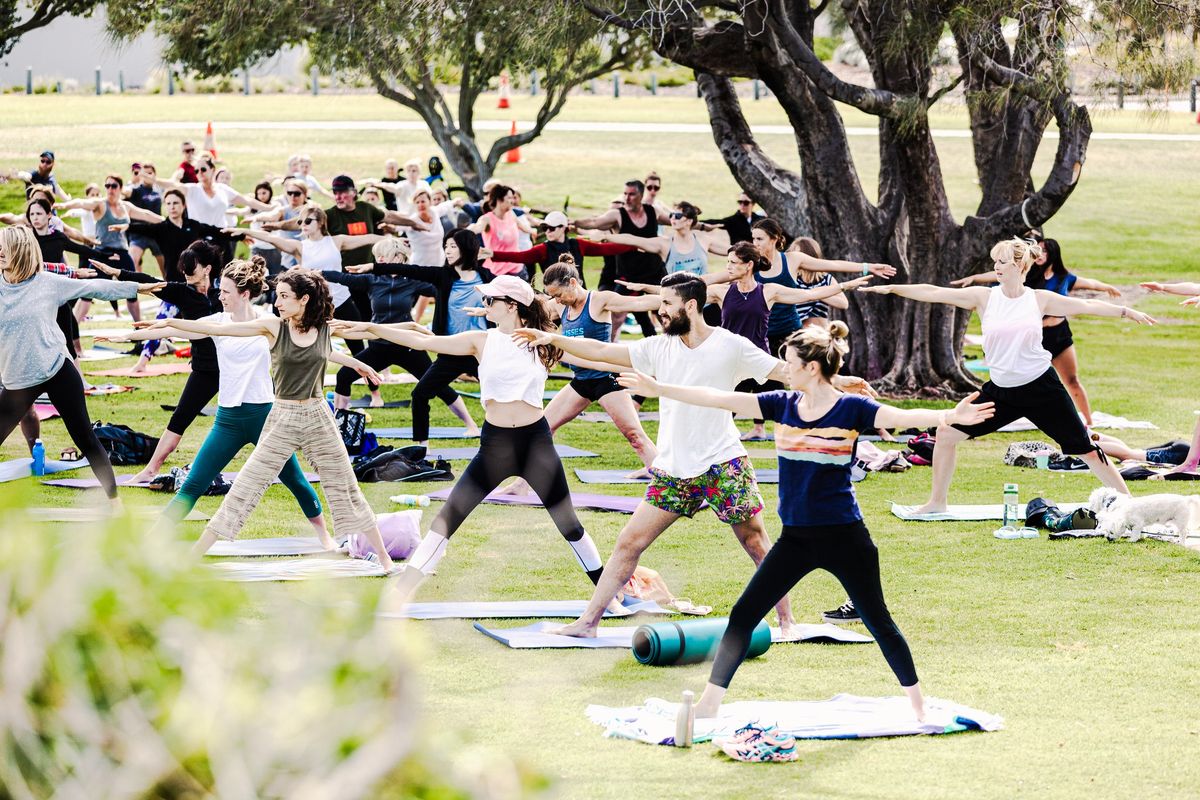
{"x":123,"y":480}
{"x":274,"y":546}
{"x":535,"y":636}
{"x":602,"y":416}
{"x":365,"y":402}
{"x":517,"y":609}
{"x":595,"y":502}
{"x":434,"y":433}
{"x":978,"y":513}
{"x":621,"y":476}
{"x":22,"y":468}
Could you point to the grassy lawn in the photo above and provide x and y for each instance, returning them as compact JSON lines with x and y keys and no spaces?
{"x":1086,"y":648}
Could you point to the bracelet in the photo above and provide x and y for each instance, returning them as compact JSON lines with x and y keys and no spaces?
{"x":866,"y":269}
{"x":1124,"y":311}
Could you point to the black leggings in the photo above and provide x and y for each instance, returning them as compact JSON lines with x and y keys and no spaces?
{"x":348,"y":312}
{"x":848,"y":553}
{"x":65,"y":390}
{"x":67,"y":324}
{"x":436,"y":383}
{"x":199,"y":391}
{"x":381,"y":354}
{"x":528,"y":452}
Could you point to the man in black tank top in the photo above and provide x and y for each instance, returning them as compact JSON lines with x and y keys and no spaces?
{"x":637,"y":219}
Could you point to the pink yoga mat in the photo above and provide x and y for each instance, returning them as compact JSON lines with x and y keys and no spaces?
{"x":123,"y":480}
{"x":45,"y":411}
{"x":622,"y":504}
{"x":150,"y":371}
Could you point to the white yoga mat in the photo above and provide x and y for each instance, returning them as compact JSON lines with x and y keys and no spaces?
{"x":296,"y":569}
{"x":843,"y":716}
{"x":516,"y":609}
{"x":274,"y":546}
{"x":95,"y":354}
{"x":1099,"y":420}
{"x":535,"y":636}
{"x":22,"y":468}
{"x":602,"y":416}
{"x":977,"y":513}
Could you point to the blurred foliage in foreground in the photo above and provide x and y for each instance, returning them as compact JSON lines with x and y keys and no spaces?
{"x":126,"y":671}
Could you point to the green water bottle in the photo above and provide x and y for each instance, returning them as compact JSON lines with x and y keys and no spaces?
{"x":1012,"y":505}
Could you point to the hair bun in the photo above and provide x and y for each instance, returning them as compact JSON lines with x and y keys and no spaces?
{"x":567,"y":258}
{"x":839,"y":330}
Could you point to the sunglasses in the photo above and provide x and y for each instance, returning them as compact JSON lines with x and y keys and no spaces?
{"x":46,"y":160}
{"x":295,"y":194}
{"x":202,"y":169}
{"x":555,"y":227}
{"x":310,"y":221}
{"x":745,"y":202}
{"x":112,"y":186}
{"x":189,"y":149}
{"x":675,"y":215}
{"x":650,"y":188}
{"x":489,"y":300}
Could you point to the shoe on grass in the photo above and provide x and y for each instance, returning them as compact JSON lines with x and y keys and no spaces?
{"x":843,"y":614}
{"x":755,"y":744}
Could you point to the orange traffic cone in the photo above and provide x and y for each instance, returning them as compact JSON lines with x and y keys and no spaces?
{"x":210,"y":141}
{"x":513,"y":156}
{"x":504,"y":89}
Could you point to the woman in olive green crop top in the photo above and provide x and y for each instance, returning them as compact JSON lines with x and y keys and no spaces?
{"x":300,"y":420}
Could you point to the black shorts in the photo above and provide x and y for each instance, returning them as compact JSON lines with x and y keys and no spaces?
{"x":1057,"y":338}
{"x":1045,"y":402}
{"x":594,"y":388}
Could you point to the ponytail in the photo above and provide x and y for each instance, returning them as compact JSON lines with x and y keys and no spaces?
{"x":827,"y":346}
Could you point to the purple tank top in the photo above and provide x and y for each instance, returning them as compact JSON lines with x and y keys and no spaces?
{"x":746,"y":314}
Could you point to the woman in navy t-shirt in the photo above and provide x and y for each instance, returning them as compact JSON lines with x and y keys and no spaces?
{"x":816,"y":432}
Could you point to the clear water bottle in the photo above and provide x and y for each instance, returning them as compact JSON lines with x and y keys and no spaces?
{"x":1012,"y":505}
{"x":39,"y":458}
{"x":685,"y":720}
{"x":411,"y":500}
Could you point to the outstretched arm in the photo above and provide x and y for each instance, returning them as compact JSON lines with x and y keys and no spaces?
{"x":141,"y":214}
{"x":346,"y":242}
{"x":967,"y":412}
{"x":971,"y":280}
{"x":599,"y":222}
{"x":145,"y":334}
{"x":264,"y":326}
{"x":973,"y":299}
{"x":285,"y":245}
{"x":469,"y":343}
{"x":364,"y":370}
{"x":1093,"y":285}
{"x":829,"y":265}
{"x":1185,"y":288}
{"x":792,"y":296}
{"x":1055,"y":305}
{"x":657,"y":245}
{"x":740,"y":403}
{"x":628,"y":304}
{"x":576,"y":346}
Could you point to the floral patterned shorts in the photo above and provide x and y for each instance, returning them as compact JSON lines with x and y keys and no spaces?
{"x":729,"y":489}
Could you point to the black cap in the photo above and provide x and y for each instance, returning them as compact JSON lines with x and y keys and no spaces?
{"x":344,"y":183}
{"x":47,"y":154}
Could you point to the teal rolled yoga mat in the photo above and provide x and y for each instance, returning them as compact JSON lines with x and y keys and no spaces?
{"x":690,"y":642}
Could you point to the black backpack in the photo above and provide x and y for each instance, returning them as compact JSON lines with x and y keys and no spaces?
{"x":353,"y":427}
{"x":125,"y":446}
{"x":406,"y":464}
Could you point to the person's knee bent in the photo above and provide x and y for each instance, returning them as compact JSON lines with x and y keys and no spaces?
{"x":345,"y":378}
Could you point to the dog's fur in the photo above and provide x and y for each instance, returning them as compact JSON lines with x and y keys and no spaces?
{"x":1120,"y":515}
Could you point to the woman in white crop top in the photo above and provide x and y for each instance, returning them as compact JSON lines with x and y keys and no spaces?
{"x":1022,"y":384}
{"x":515,"y":440}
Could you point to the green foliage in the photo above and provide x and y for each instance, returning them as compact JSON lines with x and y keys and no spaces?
{"x":823,"y":46}
{"x":130,"y":671}
{"x":20,"y":16}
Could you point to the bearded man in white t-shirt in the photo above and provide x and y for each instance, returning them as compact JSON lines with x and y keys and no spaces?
{"x":700,"y":459}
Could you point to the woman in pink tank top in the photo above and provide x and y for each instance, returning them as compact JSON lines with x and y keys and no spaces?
{"x":501,"y":229}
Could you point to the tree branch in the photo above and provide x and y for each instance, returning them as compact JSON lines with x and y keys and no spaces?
{"x":878,"y":102}
{"x":942,"y":92}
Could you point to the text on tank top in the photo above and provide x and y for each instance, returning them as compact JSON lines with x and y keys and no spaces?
{"x":746,"y":314}
{"x":1012,"y":338}
{"x":586,"y":326}
{"x":784,"y":318}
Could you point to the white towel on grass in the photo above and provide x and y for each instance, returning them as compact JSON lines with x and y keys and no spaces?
{"x":843,"y":716}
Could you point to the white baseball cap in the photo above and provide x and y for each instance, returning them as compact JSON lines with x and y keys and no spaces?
{"x":555,"y":219}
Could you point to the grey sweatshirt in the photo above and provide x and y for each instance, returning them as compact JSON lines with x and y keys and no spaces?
{"x":32,"y":348}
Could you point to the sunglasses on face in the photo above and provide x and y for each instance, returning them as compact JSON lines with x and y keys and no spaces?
{"x":745,"y":203}
{"x":675,"y":215}
{"x":650,"y":188}
{"x":310,"y":221}
{"x":555,"y":227}
{"x":189,"y":150}
{"x":489,"y":300}
{"x":112,"y":186}
{"x":295,"y":194}
{"x":203,"y":169}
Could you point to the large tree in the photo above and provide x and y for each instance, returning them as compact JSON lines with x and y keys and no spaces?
{"x":19,"y":17}
{"x":1012,"y":91}
{"x":434,"y":57}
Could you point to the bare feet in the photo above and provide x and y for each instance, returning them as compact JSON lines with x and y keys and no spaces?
{"x":376,"y":399}
{"x":789,"y":630}
{"x":472,"y":430}
{"x":642,"y":474}
{"x":578,"y":629}
{"x":518,"y":488}
{"x":318,"y":523}
{"x":757,"y":432}
{"x":145,"y":476}
{"x":930,"y":508}
{"x":1181,"y":469}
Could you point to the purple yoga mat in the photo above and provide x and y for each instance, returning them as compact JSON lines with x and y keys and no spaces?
{"x":122,"y":480}
{"x":597,"y":502}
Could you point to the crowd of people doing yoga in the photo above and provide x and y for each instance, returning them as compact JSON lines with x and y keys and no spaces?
{"x":753,"y":338}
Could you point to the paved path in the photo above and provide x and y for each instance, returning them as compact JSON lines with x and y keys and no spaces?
{"x":583,"y":127}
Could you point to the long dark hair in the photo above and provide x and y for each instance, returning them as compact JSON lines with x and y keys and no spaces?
{"x":309,"y":283}
{"x":495,"y":195}
{"x":1036,"y":278}
{"x":468,"y":248}
{"x":534,"y":316}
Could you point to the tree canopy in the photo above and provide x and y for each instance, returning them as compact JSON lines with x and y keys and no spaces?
{"x":19,"y":17}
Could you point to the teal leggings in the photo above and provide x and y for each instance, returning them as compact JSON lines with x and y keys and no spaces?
{"x":233,"y":429}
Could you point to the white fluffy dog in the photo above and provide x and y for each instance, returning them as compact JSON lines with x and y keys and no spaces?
{"x":1120,"y":515}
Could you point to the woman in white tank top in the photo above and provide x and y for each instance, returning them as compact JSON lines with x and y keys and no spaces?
{"x":1022,"y":383}
{"x":515,"y":440}
{"x":315,"y":249}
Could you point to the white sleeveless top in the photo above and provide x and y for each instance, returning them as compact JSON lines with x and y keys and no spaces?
{"x":427,"y":245}
{"x":322,"y":254}
{"x":1012,"y":338}
{"x":509,"y":372}
{"x":245,"y":363}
